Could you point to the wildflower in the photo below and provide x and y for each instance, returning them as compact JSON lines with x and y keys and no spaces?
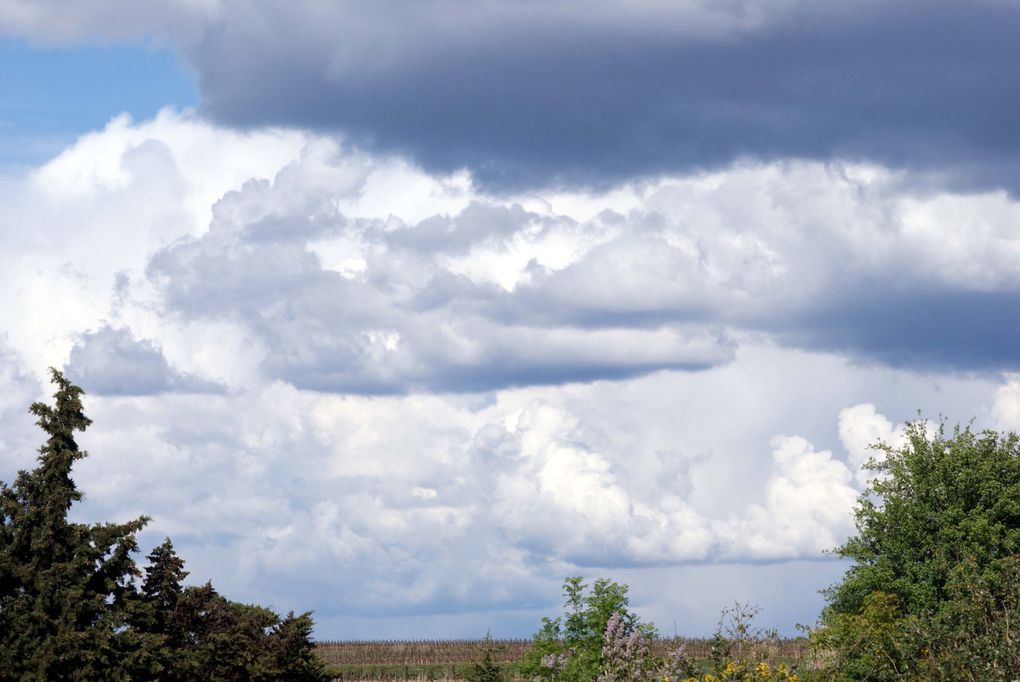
{"x":554,"y":662}
{"x":625,"y":654}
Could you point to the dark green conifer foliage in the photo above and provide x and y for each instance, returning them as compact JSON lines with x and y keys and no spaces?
{"x":487,"y":669}
{"x":202,"y":635}
{"x":70,"y":607}
{"x":163,"y":576}
{"x":65,"y":588}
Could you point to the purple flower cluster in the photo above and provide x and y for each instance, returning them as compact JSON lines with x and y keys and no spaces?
{"x":554,"y":662}
{"x":625,"y":655}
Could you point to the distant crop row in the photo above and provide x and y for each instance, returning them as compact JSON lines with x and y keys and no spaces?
{"x":419,"y":652}
{"x":453,"y":652}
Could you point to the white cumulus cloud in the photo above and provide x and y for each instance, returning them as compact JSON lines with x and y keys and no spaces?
{"x":304,"y":359}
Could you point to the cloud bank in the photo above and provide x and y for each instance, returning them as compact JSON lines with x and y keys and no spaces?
{"x":533,"y":94}
{"x":306,"y":359}
{"x":491,"y":293}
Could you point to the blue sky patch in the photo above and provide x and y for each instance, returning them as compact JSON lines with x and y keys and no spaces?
{"x":48,"y":96}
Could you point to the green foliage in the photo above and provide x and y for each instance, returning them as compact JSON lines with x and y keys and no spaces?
{"x":973,"y":637}
{"x":487,"y":669}
{"x":65,"y":588}
{"x":874,"y":643}
{"x":743,"y":651}
{"x":570,"y":647}
{"x":200,"y":634}
{"x":70,"y":606}
{"x":941,"y":519}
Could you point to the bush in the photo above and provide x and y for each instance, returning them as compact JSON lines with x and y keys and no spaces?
{"x":743,"y":652}
{"x":973,"y":636}
{"x":933,"y":587}
{"x":573,"y":647}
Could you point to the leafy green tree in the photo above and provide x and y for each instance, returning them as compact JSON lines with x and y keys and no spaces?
{"x":570,"y":647}
{"x":66,"y":588}
{"x":974,"y":636}
{"x":941,"y":511}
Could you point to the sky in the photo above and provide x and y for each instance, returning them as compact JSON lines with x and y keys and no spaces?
{"x":404,"y":311}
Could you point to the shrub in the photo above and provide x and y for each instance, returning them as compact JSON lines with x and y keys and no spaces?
{"x":741,"y":651}
{"x":572,"y":647}
{"x":626,"y":656}
{"x":933,"y":588}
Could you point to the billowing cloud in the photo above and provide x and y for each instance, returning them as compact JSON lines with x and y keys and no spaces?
{"x":110,"y":361}
{"x":861,"y":429}
{"x":475,"y":395}
{"x":1006,"y":407}
{"x":472,"y":514}
{"x":334,"y":270}
{"x":497,"y":291}
{"x":89,"y":220}
{"x":362,"y":305}
{"x":807,"y":508}
{"x":528,"y":94}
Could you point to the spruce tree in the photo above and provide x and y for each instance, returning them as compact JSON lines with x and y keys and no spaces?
{"x":70,"y":606}
{"x":487,"y":669}
{"x":163,"y":576}
{"x":65,"y":588}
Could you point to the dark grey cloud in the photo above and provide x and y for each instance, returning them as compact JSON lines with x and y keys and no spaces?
{"x":110,"y":361}
{"x":927,"y":329}
{"x":526,"y":95}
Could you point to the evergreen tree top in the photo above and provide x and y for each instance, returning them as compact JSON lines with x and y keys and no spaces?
{"x":70,"y":605}
{"x":67,"y":414}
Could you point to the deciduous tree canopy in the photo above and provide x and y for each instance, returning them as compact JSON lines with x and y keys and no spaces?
{"x":935,"y":569}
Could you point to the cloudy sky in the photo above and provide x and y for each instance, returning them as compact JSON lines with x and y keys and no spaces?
{"x":404,"y":311}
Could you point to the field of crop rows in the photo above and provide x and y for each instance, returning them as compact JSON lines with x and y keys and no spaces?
{"x":419,"y":652}
{"x":456,"y":653}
